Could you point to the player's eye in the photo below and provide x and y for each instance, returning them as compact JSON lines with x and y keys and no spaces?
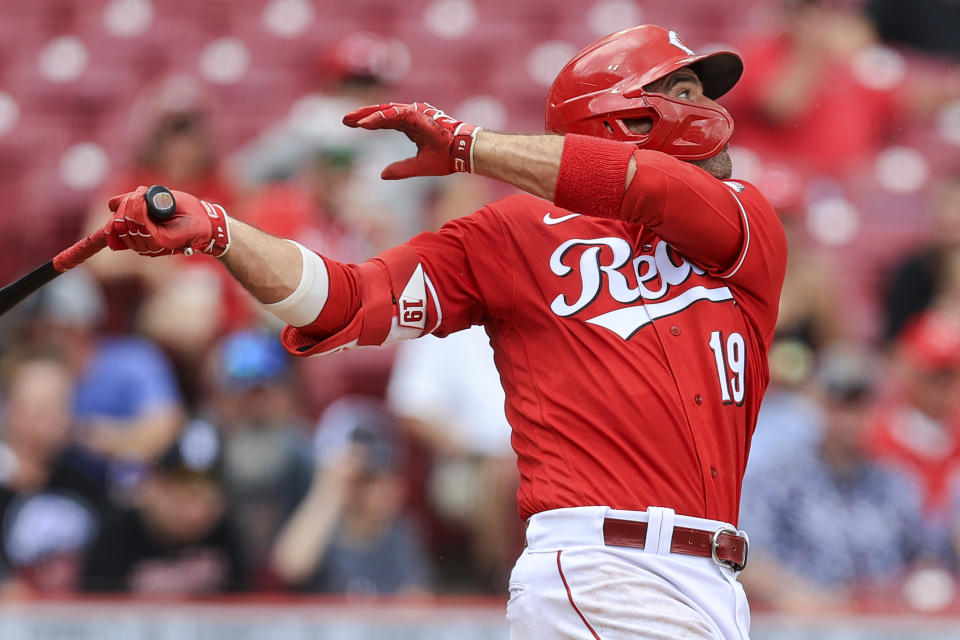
{"x":683,"y":89}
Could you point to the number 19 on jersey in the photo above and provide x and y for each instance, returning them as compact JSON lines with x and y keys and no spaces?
{"x":731,"y":358}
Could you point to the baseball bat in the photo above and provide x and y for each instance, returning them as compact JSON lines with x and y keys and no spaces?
{"x":160,"y":207}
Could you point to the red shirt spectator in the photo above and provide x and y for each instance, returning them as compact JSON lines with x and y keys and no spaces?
{"x":920,"y":432}
{"x":812,"y":95}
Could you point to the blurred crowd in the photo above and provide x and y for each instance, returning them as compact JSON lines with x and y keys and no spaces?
{"x":156,"y":439}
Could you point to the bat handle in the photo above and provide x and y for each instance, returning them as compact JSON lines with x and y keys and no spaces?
{"x":80,"y":251}
{"x":160,"y":203}
{"x":67,"y":259}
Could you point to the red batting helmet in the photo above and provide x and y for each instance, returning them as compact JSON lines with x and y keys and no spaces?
{"x":604,"y":84}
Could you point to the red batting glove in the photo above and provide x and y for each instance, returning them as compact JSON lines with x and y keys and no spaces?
{"x":444,"y":144}
{"x":196,"y":226}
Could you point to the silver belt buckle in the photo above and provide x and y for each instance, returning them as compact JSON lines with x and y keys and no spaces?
{"x":715,"y":544}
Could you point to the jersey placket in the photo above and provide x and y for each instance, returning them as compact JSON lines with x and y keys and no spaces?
{"x":670,"y":335}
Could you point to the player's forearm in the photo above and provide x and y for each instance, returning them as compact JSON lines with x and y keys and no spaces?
{"x":316,"y":295}
{"x":269,"y":268}
{"x":534,"y":163}
{"x":529,"y":162}
{"x":609,"y":179}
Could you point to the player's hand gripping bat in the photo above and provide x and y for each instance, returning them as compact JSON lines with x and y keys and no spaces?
{"x":160,"y":206}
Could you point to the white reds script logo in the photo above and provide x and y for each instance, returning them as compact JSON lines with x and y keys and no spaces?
{"x":629,"y":279}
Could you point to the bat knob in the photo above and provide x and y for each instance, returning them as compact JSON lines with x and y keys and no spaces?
{"x":160,"y":203}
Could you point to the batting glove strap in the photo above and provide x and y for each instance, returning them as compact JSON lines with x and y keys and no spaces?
{"x":219,"y":231}
{"x":461,"y":151}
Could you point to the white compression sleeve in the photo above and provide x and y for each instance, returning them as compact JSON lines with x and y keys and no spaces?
{"x":303,"y":306}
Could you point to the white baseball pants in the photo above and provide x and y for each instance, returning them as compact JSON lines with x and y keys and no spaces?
{"x":567,"y":584}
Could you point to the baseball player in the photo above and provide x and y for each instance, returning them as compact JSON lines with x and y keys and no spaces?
{"x":630,"y":301}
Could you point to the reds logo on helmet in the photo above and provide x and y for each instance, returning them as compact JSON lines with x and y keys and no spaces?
{"x":604,"y":84}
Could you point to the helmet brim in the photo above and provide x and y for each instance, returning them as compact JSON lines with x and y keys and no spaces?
{"x":718,"y":72}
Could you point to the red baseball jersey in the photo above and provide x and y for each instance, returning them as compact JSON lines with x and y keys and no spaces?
{"x":633,"y":351}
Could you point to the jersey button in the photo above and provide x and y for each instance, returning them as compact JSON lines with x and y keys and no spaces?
{"x":713,"y":472}
{"x":698,"y":399}
{"x":647,"y":247}
{"x":675,"y":330}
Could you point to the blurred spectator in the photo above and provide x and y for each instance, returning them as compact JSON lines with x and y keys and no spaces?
{"x":919,"y":428}
{"x":178,"y":540}
{"x":355,"y":70}
{"x":926,"y":25}
{"x":267,"y":461}
{"x":789,"y":420}
{"x":806,"y":98}
{"x":350,"y":535}
{"x":315,"y":207}
{"x":807,"y":516}
{"x":50,"y":502}
{"x":928,"y":276}
{"x":448,"y":394}
{"x":811,"y":295}
{"x":175,"y":148}
{"x":810,"y":318}
{"x":126,"y":402}
{"x":172,"y":122}
{"x":320,"y":185}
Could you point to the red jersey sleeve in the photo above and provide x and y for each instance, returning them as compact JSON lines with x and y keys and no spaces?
{"x":431,"y":284}
{"x":459,"y":262}
{"x":724,"y":226}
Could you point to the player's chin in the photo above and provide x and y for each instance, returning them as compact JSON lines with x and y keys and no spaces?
{"x":719,"y":166}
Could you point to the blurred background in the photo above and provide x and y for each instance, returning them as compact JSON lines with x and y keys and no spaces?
{"x":167,"y":471}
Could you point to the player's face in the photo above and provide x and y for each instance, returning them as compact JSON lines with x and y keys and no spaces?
{"x":684,"y":84}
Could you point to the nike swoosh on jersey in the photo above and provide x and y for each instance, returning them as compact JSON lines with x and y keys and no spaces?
{"x":548,"y":220}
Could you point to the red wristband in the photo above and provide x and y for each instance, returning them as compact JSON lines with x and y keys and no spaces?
{"x":593,"y":175}
{"x":461,"y":151}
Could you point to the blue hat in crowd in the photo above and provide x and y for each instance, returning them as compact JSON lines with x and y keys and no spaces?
{"x":251,"y":358}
